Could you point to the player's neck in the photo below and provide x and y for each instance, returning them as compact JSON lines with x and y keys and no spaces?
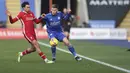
{"x":65,"y":13}
{"x":54,"y":14}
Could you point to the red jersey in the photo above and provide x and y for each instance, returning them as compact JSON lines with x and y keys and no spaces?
{"x":27,"y":19}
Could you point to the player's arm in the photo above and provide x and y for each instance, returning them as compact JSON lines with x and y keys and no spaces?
{"x":66,"y":16}
{"x":44,"y":17}
{"x":39,"y":19}
{"x":13,"y":20}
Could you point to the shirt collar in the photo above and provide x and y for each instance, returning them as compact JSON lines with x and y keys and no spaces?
{"x":54,"y":15}
{"x":26,"y":12}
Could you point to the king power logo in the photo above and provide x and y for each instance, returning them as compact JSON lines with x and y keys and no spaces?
{"x":109,"y":2}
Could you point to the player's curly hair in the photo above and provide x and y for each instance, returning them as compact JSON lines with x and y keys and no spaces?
{"x":24,"y":4}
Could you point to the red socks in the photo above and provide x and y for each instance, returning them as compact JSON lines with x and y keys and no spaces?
{"x":42,"y":55}
{"x":25,"y":52}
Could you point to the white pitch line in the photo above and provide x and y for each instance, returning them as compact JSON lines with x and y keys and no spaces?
{"x":87,"y":58}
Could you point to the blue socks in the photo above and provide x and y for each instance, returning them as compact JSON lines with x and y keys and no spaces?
{"x":72,"y":50}
{"x":53,"y":49}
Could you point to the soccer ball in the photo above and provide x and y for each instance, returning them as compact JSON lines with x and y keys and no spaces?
{"x":53,"y":42}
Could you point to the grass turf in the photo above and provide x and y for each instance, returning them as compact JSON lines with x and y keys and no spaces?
{"x":65,"y":62}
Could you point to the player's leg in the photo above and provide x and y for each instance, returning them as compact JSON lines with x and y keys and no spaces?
{"x":41,"y":54}
{"x":28,"y":50}
{"x":68,"y":44}
{"x":53,"y":48}
{"x":36,"y":45}
{"x":71,"y":49}
{"x":66,"y":34}
{"x":33,"y":40}
{"x":25,"y":52}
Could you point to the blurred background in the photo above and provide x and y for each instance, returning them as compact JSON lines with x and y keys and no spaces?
{"x":100,"y":30}
{"x":85,"y":13}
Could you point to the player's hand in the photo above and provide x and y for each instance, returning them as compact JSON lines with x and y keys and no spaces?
{"x":69,"y":10}
{"x":43,"y":15}
{"x":8,"y":13}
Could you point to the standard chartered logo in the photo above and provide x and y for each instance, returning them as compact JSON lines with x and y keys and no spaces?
{"x":54,"y":23}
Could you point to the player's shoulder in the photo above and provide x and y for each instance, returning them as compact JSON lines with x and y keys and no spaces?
{"x":48,"y":14}
{"x":59,"y":12}
{"x":21,"y":13}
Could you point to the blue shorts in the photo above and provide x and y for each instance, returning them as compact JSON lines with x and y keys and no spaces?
{"x":58,"y":35}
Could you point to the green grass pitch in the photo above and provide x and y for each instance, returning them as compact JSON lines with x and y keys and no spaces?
{"x":65,"y":63}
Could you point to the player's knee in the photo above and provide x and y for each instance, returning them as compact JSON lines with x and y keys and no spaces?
{"x":53,"y":46}
{"x":67,"y":43}
{"x":34,"y":42}
{"x":33,"y":50}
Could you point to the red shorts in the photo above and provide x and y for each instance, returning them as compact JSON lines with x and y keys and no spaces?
{"x":30,"y":37}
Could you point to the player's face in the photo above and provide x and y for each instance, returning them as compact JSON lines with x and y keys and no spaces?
{"x":54,"y":11}
{"x":27,"y":8}
{"x":65,"y":10}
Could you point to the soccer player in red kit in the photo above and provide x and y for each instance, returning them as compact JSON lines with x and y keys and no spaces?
{"x":27,"y":19}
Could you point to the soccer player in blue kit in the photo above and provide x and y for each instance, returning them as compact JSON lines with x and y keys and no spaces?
{"x":54,"y":29}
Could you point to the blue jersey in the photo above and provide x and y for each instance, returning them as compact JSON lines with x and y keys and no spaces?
{"x":54,"y":22}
